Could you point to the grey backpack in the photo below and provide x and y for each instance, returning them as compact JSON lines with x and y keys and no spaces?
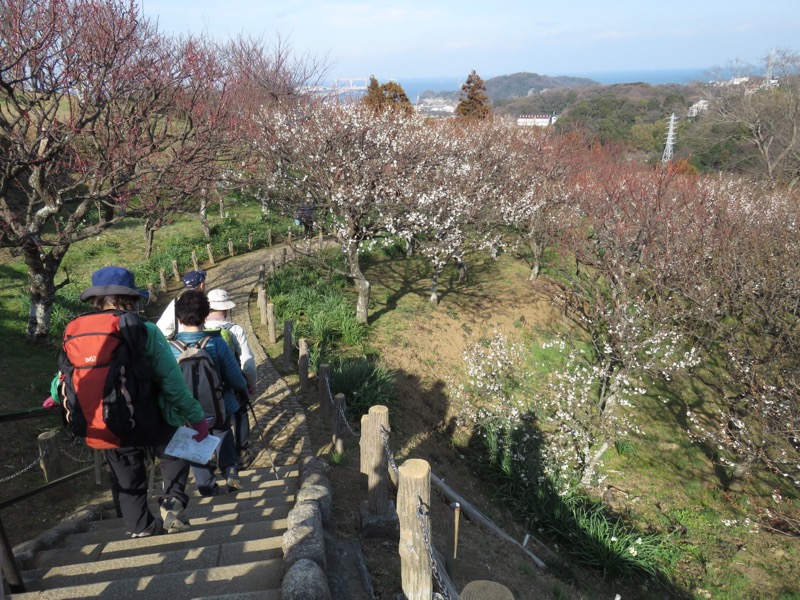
{"x":202,"y":377}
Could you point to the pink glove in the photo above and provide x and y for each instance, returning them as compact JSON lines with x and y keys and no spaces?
{"x":49,"y":403}
{"x":202,"y":430}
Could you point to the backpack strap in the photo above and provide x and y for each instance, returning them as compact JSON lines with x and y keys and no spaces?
{"x":179,"y":345}
{"x":202,"y":342}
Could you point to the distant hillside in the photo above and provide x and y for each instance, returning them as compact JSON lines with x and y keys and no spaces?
{"x":518,"y":85}
{"x":586,"y":102}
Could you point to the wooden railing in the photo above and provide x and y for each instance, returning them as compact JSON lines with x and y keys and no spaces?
{"x":422,"y":566}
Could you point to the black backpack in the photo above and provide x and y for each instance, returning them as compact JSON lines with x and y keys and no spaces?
{"x":106,"y":389}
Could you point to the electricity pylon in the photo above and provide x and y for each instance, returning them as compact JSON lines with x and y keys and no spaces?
{"x":667,"y":156}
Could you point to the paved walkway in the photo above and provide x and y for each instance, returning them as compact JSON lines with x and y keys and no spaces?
{"x":280,"y":415}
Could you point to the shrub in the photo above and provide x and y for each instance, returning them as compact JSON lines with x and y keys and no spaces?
{"x":363,"y":383}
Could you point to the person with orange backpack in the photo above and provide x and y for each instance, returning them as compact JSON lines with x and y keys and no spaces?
{"x":122,"y":392}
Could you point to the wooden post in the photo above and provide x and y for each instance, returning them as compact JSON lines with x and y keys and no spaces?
{"x":363,"y":446}
{"x":51,"y":462}
{"x":323,"y":376}
{"x":175,"y":273}
{"x":320,"y":238}
{"x":339,"y":425}
{"x":415,"y":564}
{"x":269,"y":237}
{"x":302,"y":363}
{"x":162,"y":279}
{"x":210,"y":255}
{"x":151,"y":290}
{"x":376,"y":460}
{"x":289,"y":236}
{"x":283,"y":257}
{"x":262,"y":306}
{"x":287,"y":342}
{"x":250,"y":240}
{"x":195,"y":264}
{"x":273,"y":335}
{"x":230,"y":248}
{"x":480,"y":589}
{"x":272,"y":267}
{"x":451,"y":559}
{"x":262,"y":275}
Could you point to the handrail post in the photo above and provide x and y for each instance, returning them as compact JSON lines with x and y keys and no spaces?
{"x":302,"y":363}
{"x":415,"y":564}
{"x":376,"y":460}
{"x":287,"y":342}
{"x":10,"y":568}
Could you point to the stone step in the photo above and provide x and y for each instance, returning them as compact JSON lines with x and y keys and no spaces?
{"x":246,"y":511}
{"x":114,"y":530}
{"x":148,"y":564}
{"x":191,"y":538}
{"x":230,"y":580}
{"x":267,"y":595}
{"x":264,"y":489}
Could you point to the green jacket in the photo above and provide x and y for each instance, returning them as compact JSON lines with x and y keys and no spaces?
{"x":178,"y":406}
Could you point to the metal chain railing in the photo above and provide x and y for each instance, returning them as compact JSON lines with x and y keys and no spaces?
{"x":341,"y":407}
{"x":76,"y":459}
{"x":426,"y":536}
{"x":389,"y":455}
{"x":33,"y":463}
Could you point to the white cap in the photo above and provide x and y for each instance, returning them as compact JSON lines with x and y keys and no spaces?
{"x":219,"y":300}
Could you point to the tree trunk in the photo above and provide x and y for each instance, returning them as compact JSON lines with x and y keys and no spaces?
{"x":42,"y":269}
{"x":537,"y":249}
{"x":361,"y":283}
{"x":149,"y":234}
{"x":435,"y":286}
{"x":594,"y":460}
{"x":204,"y":217}
{"x":462,"y":269}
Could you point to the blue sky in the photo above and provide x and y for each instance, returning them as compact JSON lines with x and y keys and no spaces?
{"x":443,"y":38}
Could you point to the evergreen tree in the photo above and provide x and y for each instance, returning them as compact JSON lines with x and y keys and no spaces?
{"x":387,"y":96}
{"x":474,"y":102}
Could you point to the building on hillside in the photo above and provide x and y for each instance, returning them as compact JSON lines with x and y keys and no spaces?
{"x":536,"y":120}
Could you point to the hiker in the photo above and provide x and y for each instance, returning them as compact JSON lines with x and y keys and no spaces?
{"x":221,"y":305}
{"x":167,"y":403}
{"x":167,"y":323}
{"x":191,"y":310}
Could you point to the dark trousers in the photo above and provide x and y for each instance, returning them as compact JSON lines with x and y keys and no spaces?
{"x":129,"y":474}
{"x":241,"y":428}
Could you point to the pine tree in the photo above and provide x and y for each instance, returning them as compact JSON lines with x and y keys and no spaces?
{"x":474,"y":102}
{"x":387,"y":96}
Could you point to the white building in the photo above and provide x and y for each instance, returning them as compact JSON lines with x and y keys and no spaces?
{"x":536,"y":120}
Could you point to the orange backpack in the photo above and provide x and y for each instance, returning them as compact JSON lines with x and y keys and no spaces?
{"x":106,"y":389}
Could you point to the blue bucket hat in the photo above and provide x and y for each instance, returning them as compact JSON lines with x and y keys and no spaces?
{"x":112,"y":281}
{"x":193,"y":279}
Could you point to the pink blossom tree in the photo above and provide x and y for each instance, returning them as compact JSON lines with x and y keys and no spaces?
{"x":101,"y":118}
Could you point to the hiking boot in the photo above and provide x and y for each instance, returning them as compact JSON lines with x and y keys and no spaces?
{"x":233,"y":482}
{"x":172,"y":513}
{"x":246,"y":458}
{"x":156,"y":528}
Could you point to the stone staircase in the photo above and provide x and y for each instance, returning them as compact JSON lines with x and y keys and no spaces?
{"x":233,"y":550}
